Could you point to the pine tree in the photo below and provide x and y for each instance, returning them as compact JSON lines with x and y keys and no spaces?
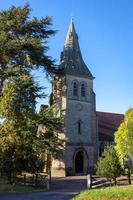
{"x":17,"y":132}
{"x":23,"y":43}
{"x":20,"y":146}
{"x":23,"y":47}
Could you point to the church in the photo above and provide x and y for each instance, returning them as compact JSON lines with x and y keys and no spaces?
{"x":87,"y":132}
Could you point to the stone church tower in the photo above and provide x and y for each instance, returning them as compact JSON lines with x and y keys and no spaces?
{"x":74,"y":99}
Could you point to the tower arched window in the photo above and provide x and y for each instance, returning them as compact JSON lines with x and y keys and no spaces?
{"x":75,"y":89}
{"x":83,"y":91}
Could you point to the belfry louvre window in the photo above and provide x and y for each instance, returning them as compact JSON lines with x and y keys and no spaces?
{"x":75,"y":89}
{"x":83,"y":90}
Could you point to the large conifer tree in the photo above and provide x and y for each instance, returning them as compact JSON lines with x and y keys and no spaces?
{"x":23,"y":47}
{"x":23,"y":42}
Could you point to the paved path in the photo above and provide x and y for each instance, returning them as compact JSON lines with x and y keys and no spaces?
{"x":39,"y":196}
{"x":61,"y":189}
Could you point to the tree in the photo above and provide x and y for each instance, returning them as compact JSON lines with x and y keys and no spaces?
{"x":20,"y":146}
{"x":23,"y":43}
{"x":23,"y":47}
{"x":108,"y":165}
{"x":124,"y":136}
{"x":17,"y":132}
{"x":53,"y":126}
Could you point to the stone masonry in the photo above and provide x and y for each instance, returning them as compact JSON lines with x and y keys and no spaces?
{"x":74,"y":99}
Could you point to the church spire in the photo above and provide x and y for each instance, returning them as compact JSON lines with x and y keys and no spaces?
{"x":71,"y":37}
{"x":71,"y":58}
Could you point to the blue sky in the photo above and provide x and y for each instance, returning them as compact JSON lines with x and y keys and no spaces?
{"x":105,"y":30}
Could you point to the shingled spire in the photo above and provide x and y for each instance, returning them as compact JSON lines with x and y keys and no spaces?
{"x":71,"y":58}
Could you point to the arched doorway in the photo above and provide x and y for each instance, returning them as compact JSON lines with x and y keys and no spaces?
{"x":79,"y":162}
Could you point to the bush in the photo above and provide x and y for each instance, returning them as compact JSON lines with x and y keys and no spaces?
{"x":108,"y":165}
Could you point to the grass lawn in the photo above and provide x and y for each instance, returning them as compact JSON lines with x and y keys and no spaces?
{"x":17,"y":188}
{"x":112,"y":193}
{"x":7,"y":188}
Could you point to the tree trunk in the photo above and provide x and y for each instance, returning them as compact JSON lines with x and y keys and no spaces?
{"x":2,"y":79}
{"x":115,"y":182}
{"x":129,"y":177}
{"x":10,"y":177}
{"x":1,"y":84}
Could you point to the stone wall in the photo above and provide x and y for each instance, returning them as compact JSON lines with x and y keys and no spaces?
{"x":75,"y":109}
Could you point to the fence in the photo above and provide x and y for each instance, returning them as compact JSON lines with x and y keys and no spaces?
{"x":38,"y":179}
{"x":96,"y":181}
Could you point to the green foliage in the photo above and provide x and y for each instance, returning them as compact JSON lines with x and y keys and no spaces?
{"x":23,"y":47}
{"x":124,"y":136}
{"x":20,"y":146}
{"x":108,"y":165}
{"x":23,"y":42}
{"x":18,"y":131}
{"x":53,"y":128}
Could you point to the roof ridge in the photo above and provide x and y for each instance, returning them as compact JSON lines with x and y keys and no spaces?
{"x":109,"y":113}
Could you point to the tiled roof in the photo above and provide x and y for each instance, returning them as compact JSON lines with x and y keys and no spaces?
{"x":108,"y":124}
{"x":71,"y":57}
